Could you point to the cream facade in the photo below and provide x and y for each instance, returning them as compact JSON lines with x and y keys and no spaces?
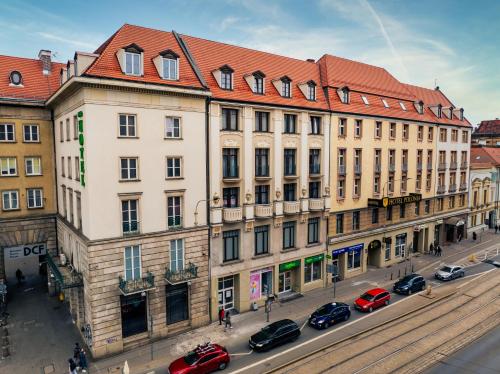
{"x":482,"y":194}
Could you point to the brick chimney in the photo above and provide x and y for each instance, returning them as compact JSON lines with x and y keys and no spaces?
{"x":45,"y":56}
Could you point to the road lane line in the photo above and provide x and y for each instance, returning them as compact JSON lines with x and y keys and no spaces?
{"x":478,"y":275}
{"x":303,"y":325}
{"x":241,"y":354}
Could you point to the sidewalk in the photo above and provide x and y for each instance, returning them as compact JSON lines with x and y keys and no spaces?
{"x":146,"y":358}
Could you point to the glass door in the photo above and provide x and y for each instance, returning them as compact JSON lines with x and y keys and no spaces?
{"x":285,"y":281}
{"x":226,"y":293}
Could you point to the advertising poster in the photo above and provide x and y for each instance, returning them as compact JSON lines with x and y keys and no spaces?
{"x":254,"y":286}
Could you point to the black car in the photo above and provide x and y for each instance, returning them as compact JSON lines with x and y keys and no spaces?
{"x":409,"y":284}
{"x":329,"y":314}
{"x":275,"y":334}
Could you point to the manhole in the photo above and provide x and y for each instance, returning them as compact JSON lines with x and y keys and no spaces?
{"x":48,"y":369}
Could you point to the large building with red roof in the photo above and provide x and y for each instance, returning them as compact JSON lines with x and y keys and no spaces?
{"x":487,"y":133}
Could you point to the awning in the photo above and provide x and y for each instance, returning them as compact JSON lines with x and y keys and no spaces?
{"x":455,"y":221}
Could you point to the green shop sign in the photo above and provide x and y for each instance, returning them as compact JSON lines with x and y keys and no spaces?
{"x":81,"y":141}
{"x":289,"y":265}
{"x":317,"y":258}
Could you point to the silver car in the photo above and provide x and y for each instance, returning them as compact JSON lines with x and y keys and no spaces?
{"x":449,"y":272}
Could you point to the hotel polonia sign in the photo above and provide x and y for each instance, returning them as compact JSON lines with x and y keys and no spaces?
{"x":393,"y":201}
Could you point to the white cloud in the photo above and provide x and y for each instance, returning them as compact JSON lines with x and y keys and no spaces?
{"x":70,"y":41}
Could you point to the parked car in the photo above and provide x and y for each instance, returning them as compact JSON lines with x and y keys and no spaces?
{"x":409,"y":284}
{"x":372,"y":299}
{"x":275,"y":334}
{"x":328,"y":314}
{"x":203,"y":359}
{"x":449,"y":272}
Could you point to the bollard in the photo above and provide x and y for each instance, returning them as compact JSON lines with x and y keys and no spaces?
{"x":391,"y":275}
{"x":429,"y":290}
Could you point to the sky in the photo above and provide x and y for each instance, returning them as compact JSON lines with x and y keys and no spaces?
{"x":452,"y":43}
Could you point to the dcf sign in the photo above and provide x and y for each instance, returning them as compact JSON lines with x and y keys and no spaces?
{"x":26,"y":250}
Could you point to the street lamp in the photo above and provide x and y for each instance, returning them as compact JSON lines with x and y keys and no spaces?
{"x":215,"y":200}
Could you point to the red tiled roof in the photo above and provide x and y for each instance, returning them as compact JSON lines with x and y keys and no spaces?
{"x":152,"y":42}
{"x":488,"y":127}
{"x":35,"y":85}
{"x":479,"y":157}
{"x":494,"y":153}
{"x":210,"y":56}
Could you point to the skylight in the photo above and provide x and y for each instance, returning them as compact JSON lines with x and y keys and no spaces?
{"x":402,"y":105}
{"x":385,"y":103}
{"x":365,"y":100}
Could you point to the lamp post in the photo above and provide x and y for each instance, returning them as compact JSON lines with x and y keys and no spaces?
{"x":215,"y":200}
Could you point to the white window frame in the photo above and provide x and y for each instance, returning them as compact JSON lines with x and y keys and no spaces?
{"x":127,"y":125}
{"x":12,"y":131}
{"x":6,"y":172}
{"x":169,"y":61}
{"x":177,"y":255}
{"x":402,"y":105}
{"x":176,"y":169}
{"x":399,"y":248}
{"x":128,"y":168}
{"x":386,"y":104}
{"x":32,"y":159}
{"x":176,"y":205}
{"x":365,"y":100}
{"x":134,"y":258}
{"x":286,"y":89}
{"x":170,"y":127}
{"x":129,"y":212}
{"x":31,"y":126}
{"x":10,"y":194}
{"x":34,"y":198}
{"x":132,"y":55}
{"x":77,"y":168}
{"x":224,"y":80}
{"x":313,"y":265}
{"x":311,"y":92}
{"x":350,"y":260}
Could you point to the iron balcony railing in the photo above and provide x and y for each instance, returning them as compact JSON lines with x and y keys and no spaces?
{"x":131,"y":286}
{"x":453,"y":165}
{"x":452,"y":188}
{"x":429,"y":166}
{"x":190,"y":272}
{"x":341,"y":170}
{"x":463,"y":186}
{"x":392,"y":168}
{"x":442,"y":166}
{"x":441,"y":189}
{"x":419,"y":166}
{"x":378,"y":168}
{"x":404,"y":167}
{"x":66,"y":276}
{"x":463,"y":165}
{"x":357,"y":169}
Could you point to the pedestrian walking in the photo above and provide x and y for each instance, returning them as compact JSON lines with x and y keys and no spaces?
{"x":228,"y":321}
{"x":439,"y":250}
{"x":19,"y":276}
{"x":221,"y":315}
{"x":431,"y":248}
{"x":496,"y":229}
{"x":76,"y":352}
{"x":83,"y":361}
{"x":72,"y":366}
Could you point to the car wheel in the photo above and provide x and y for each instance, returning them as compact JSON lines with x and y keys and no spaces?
{"x":346,"y":317}
{"x":409,"y":292}
{"x":370,"y":309}
{"x":462,"y":274}
{"x":327,"y":325}
{"x":222,"y":365}
{"x":423,"y":287}
{"x":387,"y":302}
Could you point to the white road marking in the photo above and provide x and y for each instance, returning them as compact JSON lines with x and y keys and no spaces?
{"x":478,"y":275}
{"x":241,"y":354}
{"x":303,"y":325}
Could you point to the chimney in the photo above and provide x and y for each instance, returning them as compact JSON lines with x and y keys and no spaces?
{"x":45,"y":56}
{"x":310,"y":60}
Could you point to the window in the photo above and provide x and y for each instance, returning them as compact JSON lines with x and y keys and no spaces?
{"x":79,"y":210}
{"x":339,"y":221}
{"x":262,"y":194}
{"x":231,"y":245}
{"x":177,"y":255}
{"x":311,"y":91}
{"x":313,"y":231}
{"x":430,"y":134}
{"x":230,"y":167}
{"x":440,"y":204}
{"x":388,"y":215}
{"x":10,"y":200}
{"x":129,"y":216}
{"x":290,"y":124}
{"x":353,"y":259}
{"x":342,"y":126}
{"x":31,"y":133}
{"x":172,"y":127}
{"x":465,"y":136}
{"x":289,"y":159}
{"x":314,"y":190}
{"x":77,"y":168}
{"x":454,"y":136}
{"x":16,"y":78}
{"x":33,"y":166}
{"x":289,"y":234}
{"x":6,"y":132}
{"x":357,"y":187}
{"x":285,"y":87}
{"x":402,"y":211}
{"x":376,"y":185}
{"x":61,"y":131}
{"x":34,"y":197}
{"x":174,"y":167}
{"x":261,"y":162}
{"x":63,"y":198}
{"x":418,"y":181}
{"x":68,"y":130}
{"x":355,"y":220}
{"x":406,"y":131}
{"x":174,"y":211}
{"x":229,"y":119}
{"x":70,"y":168}
{"x":439,"y":111}
{"x":451,"y":202}
{"x":402,"y":105}
{"x":231,"y":197}
{"x":132,"y":63}
{"x":390,"y":184}
{"x":392,"y":130}
{"x":258,"y":84}
{"x":170,"y":68}
{"x":386,"y":104}
{"x":374,"y":215}
{"x":387,"y":250}
{"x":75,"y":127}
{"x":132,"y":262}
{"x":290,"y":192}
{"x":462,"y":200}
{"x":128,"y":167}
{"x":443,"y":135}
{"x":314,"y":161}
{"x":8,"y":166}
{"x":262,"y":121}
{"x":399,"y":249}
{"x":341,"y":189}
{"x":420,"y":133}
{"x":357,"y":128}
{"x":365,"y":100}
{"x":226,"y":78}
{"x":261,"y":239}
{"x":378,"y":129}
{"x":315,"y":123}
{"x":312,"y":271}
{"x":427,"y":206}
{"x":345,"y":95}
{"x":127,"y":125}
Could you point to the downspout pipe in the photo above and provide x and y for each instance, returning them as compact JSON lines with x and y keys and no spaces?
{"x":207,"y":177}
{"x":56,"y":174}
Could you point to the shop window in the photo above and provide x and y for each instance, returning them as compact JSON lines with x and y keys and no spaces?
{"x":177,"y":303}
{"x":312,"y":271}
{"x":134,"y":315}
{"x":387,"y":251}
{"x":226,"y":293}
{"x":399,"y":249}
{"x":354,"y":260}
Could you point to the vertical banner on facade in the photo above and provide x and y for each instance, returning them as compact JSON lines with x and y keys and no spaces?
{"x":255,"y":286}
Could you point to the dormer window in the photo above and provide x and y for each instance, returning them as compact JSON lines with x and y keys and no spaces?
{"x":421,"y":107}
{"x":311,"y":91}
{"x":451,"y":112}
{"x":226,"y":78}
{"x":16,"y":78}
{"x":365,"y":100}
{"x":461,"y":114}
{"x":402,"y":105}
{"x":439,"y":111}
{"x":286,"y":85}
{"x":344,"y":95}
{"x":258,"y":86}
{"x":386,"y":104}
{"x":132,"y":57}
{"x":170,"y":65}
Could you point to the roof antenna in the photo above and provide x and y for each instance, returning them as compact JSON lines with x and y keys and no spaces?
{"x":435,"y":83}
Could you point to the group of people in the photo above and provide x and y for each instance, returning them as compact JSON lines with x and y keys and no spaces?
{"x":435,"y":250}
{"x":79,"y":360}
{"x":225,"y":316}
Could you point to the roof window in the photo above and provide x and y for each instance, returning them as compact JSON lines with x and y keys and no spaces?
{"x":16,"y":79}
{"x":386,"y":104}
{"x":402,"y":105}
{"x":365,"y":100}
{"x":132,"y":59}
{"x":286,"y":87}
{"x":311,"y":90}
{"x":258,"y":86}
{"x":226,"y":78}
{"x":170,"y":65}
{"x":344,"y":95}
{"x":440,"y":111}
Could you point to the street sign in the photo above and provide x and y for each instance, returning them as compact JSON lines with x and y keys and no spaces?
{"x":329,"y":257}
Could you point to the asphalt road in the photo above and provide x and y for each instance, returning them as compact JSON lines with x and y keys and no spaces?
{"x":480,"y":357}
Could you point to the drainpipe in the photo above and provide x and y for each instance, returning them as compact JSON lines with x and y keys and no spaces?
{"x":56,"y":173}
{"x":207,"y":176}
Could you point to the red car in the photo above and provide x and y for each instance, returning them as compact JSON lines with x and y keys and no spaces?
{"x":372,"y":300}
{"x":203,"y":359}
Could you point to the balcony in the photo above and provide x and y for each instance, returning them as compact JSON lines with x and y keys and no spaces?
{"x":232,"y":214}
{"x":178,"y":276}
{"x":130,"y":228}
{"x":419,"y":166}
{"x":404,"y":167}
{"x":316,"y":204}
{"x":453,"y":165}
{"x":441,"y":189}
{"x":463,"y":165}
{"x":452,"y":188}
{"x":65,"y":275}
{"x":392,"y":168}
{"x":341,"y":169}
{"x":132,"y":286}
{"x":429,"y":166}
{"x":263,"y":210}
{"x":377,"y":168}
{"x":291,"y":207}
{"x":463,"y":186}
{"x":357,"y":169}
{"x":442,"y":166}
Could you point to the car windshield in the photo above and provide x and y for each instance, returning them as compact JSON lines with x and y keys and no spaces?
{"x":367,"y":297}
{"x":191,"y":358}
{"x":446,"y":269}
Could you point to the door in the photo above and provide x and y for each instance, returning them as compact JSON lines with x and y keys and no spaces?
{"x":134,"y":315}
{"x":226,"y":293}
{"x":177,"y":303}
{"x":285,"y":281}
{"x":208,"y":364}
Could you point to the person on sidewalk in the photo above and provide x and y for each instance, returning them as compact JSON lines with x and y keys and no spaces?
{"x":76,"y":352}
{"x":439,"y":251}
{"x":228,"y":321}
{"x":431,"y":249}
{"x":83,"y":361}
{"x":221,"y":315}
{"x":19,"y":276}
{"x":72,"y":366}
{"x":496,"y":229}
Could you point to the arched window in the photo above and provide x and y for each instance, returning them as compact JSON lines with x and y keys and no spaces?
{"x":16,"y":78}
